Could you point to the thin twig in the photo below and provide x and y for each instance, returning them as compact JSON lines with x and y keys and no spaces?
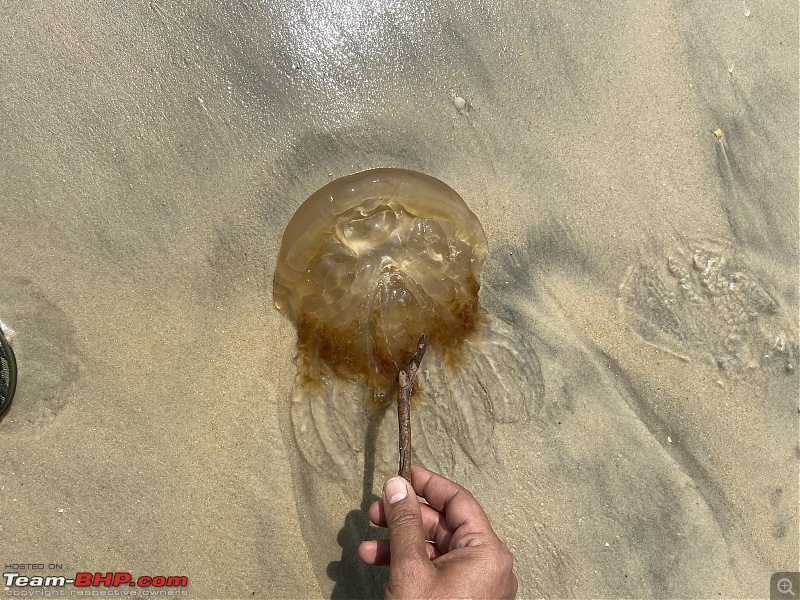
{"x":405,"y":381}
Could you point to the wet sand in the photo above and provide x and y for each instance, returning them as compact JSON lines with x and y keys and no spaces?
{"x":151,"y":155}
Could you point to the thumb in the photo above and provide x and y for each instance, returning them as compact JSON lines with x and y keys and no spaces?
{"x":404,"y":521}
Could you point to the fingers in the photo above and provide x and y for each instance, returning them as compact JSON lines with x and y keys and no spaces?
{"x":463,"y":517}
{"x":472,"y":560}
{"x":377,"y":552}
{"x":404,"y":521}
{"x":439,"y":492}
{"x":453,"y":519}
{"x":432,"y":520}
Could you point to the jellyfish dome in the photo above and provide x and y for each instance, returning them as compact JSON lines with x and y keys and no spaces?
{"x":371,"y":261}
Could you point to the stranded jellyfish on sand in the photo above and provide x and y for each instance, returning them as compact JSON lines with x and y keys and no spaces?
{"x":368,"y":263}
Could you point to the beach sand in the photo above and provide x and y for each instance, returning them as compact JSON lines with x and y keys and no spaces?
{"x":152,"y":154}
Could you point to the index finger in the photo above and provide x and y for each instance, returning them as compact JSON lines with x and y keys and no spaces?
{"x":456,"y":503}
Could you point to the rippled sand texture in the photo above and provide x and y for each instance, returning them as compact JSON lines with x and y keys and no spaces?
{"x":152,"y":155}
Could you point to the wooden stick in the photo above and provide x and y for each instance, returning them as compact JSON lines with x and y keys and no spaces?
{"x":405,"y":381}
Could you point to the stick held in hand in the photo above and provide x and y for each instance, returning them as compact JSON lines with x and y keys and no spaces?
{"x":405,"y":381}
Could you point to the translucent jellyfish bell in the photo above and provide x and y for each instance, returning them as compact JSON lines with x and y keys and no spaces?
{"x":367,"y":264}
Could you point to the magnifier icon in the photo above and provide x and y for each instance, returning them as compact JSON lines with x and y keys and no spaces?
{"x":784,"y":586}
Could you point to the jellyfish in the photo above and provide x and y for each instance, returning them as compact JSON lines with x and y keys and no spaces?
{"x":368,"y":263}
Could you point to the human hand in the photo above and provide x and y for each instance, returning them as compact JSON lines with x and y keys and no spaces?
{"x":443,"y":549}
